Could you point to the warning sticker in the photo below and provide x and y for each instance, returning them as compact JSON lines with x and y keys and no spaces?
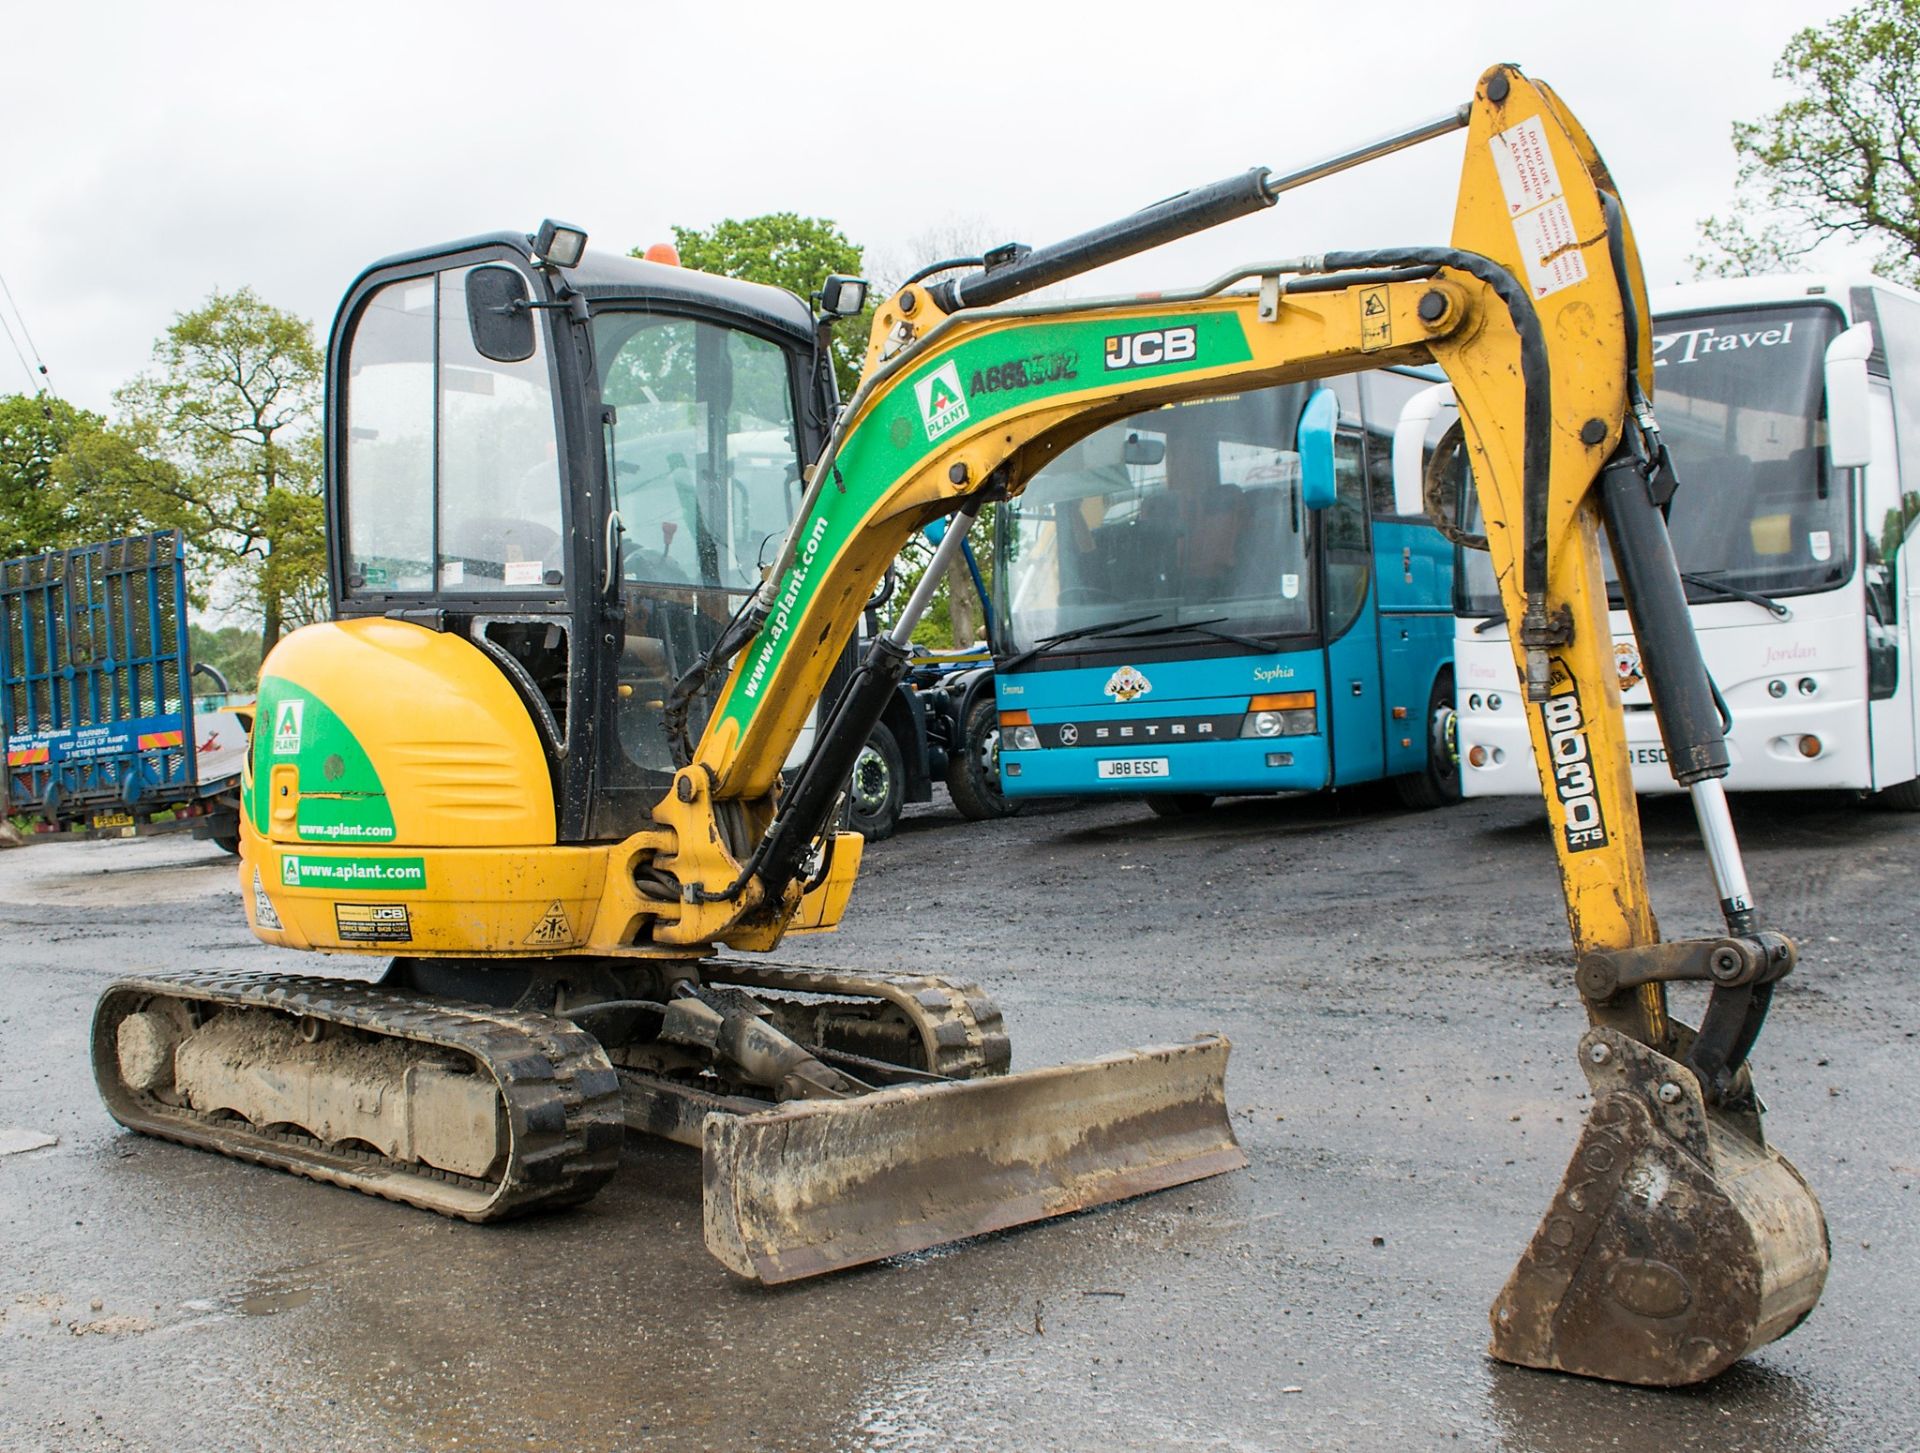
{"x":373,"y":922}
{"x":1537,"y":206}
{"x":1524,"y":161}
{"x":552,"y":929}
{"x":263,"y":910}
{"x":1552,"y":252}
{"x":1376,"y":322}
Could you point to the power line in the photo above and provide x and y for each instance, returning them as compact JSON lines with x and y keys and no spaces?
{"x":33,"y":384}
{"x":27,"y":333}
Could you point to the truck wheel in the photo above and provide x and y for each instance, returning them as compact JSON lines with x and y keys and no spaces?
{"x":877,"y":787}
{"x":227,"y":842}
{"x":973,"y":773}
{"x":1437,"y":784}
{"x":1179,"y":804}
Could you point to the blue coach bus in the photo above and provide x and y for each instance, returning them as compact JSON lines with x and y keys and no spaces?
{"x":1218,"y":598}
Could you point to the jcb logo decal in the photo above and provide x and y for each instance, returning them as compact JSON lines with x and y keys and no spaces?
{"x":1572,"y":762}
{"x":1144,"y":350}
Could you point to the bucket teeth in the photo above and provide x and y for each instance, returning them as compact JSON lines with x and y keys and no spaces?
{"x":1676,"y":1244}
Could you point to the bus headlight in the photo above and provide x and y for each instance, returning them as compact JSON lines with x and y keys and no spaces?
{"x":1282,"y":714}
{"x":1017,"y":733}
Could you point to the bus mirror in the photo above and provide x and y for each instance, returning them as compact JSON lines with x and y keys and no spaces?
{"x":1849,"y":422}
{"x":935,"y":530}
{"x":1143,"y":452}
{"x":1410,"y":438}
{"x":1318,"y":421}
{"x":498,"y":314}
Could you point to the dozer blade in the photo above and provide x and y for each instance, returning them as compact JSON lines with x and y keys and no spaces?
{"x":1677,"y":1243}
{"x":818,"y":1185}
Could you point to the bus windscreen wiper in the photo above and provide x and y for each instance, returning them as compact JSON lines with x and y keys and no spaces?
{"x":1047,"y":643}
{"x":1203,"y":628}
{"x":1707,"y":582}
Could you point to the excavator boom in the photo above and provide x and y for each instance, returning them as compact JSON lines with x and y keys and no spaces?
{"x":1680,"y":1240}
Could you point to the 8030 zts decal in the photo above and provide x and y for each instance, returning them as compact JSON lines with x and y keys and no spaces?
{"x":1572,"y":759}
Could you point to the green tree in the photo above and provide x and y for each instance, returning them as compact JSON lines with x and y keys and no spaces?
{"x":232,"y":402}
{"x":67,"y":478}
{"x":784,"y":250}
{"x":231,"y":650}
{"x":1841,"y":159}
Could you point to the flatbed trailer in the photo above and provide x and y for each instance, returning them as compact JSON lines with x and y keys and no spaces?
{"x":96,"y":701}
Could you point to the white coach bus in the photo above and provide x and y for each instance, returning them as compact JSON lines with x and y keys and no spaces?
{"x":1791,"y":405}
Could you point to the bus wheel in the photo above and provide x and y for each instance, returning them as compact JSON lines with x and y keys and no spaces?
{"x":973,"y":773}
{"x":1179,"y":804}
{"x":1437,"y":784}
{"x":876,"y":789}
{"x":1902,"y":797}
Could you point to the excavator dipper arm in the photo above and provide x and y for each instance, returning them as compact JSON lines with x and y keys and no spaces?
{"x":1679,"y":1240}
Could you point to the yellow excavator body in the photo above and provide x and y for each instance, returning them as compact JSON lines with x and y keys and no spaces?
{"x":544,"y":759}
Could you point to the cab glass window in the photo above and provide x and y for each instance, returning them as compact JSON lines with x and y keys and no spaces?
{"x":500,"y":524}
{"x":452,"y":473}
{"x":389,"y":443}
{"x":702,"y":448}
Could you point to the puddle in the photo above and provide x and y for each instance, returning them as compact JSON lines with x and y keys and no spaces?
{"x":272,"y":1303}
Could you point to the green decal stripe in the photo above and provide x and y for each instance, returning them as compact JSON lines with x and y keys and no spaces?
{"x":347,"y":801}
{"x":997,"y":373}
{"x":362,"y":875}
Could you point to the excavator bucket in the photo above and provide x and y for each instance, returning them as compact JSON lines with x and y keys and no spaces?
{"x":1677,"y":1243}
{"x":818,"y":1185}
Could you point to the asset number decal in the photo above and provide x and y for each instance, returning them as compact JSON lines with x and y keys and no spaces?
{"x":1571,"y":757}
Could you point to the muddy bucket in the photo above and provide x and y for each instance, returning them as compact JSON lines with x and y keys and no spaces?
{"x":1678,"y":1242}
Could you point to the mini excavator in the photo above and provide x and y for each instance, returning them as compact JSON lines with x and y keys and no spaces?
{"x":600,"y":534}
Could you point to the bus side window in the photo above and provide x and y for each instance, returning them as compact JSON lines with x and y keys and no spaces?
{"x":1344,"y":526}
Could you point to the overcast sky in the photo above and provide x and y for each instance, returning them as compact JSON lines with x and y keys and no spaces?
{"x":152,"y":153}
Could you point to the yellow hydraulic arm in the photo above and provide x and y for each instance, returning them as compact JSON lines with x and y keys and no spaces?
{"x":1679,"y":1240}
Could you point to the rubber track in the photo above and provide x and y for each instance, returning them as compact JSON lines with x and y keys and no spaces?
{"x":562,"y":1098}
{"x":958,"y":1022}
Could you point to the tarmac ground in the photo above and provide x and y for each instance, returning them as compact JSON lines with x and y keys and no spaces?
{"x":1399,"y":993}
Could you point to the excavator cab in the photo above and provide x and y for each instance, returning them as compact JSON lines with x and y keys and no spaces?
{"x":581,"y":471}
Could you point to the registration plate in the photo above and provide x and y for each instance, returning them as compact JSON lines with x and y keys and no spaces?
{"x":112,"y":819}
{"x":1647,"y":756}
{"x":1134,"y":767}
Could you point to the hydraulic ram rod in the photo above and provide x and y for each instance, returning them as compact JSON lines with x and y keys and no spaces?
{"x":1177,"y":216}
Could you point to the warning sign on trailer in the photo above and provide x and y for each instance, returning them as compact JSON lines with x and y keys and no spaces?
{"x":552,"y":930}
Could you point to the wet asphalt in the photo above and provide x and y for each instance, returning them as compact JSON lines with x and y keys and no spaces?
{"x":1398,"y":990}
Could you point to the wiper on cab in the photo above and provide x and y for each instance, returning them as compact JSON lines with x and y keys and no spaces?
{"x":1047,"y":643}
{"x":1202,"y":628}
{"x":1707,"y":582}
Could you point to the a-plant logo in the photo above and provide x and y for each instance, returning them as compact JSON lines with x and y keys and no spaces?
{"x":943,"y":403}
{"x":1127,"y":684}
{"x":290,"y":870}
{"x":286,"y":728}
